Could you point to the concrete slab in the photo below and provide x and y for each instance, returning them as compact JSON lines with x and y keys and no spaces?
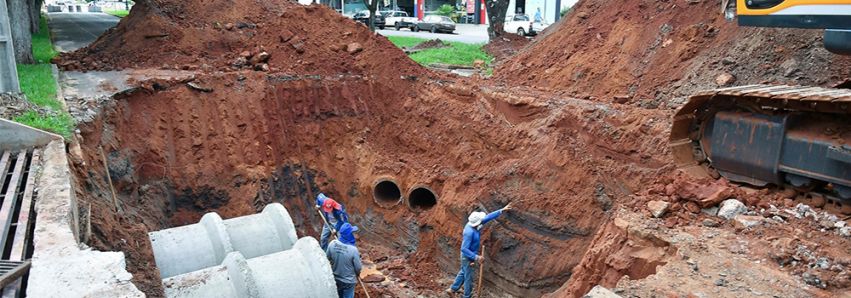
{"x":93,"y":84}
{"x":16,"y":136}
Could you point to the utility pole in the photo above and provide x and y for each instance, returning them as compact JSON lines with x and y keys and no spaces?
{"x":558,"y":10}
{"x":8,"y":68}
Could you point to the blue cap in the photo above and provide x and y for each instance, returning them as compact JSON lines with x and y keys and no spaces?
{"x":346,"y":235}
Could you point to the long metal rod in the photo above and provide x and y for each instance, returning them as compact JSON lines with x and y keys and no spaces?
{"x":481,"y":270}
{"x":109,"y":179}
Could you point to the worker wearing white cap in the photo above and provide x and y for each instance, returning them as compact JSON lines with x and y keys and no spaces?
{"x":470,"y":250}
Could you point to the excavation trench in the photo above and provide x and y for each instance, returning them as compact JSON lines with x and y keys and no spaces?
{"x":176,"y":153}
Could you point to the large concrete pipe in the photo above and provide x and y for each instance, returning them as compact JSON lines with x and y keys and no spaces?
{"x":302,"y":271}
{"x":205,"y":244}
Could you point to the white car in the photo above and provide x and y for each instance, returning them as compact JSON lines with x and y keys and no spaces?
{"x":399,"y":20}
{"x":522,"y":25}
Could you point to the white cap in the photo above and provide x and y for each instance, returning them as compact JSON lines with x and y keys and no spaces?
{"x":476,"y":218}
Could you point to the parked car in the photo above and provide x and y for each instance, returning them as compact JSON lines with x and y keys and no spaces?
{"x":522,"y":25}
{"x":363,"y":17}
{"x":435,"y":24}
{"x":398,"y":19}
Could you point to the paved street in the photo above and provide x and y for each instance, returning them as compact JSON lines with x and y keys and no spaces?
{"x":72,"y":31}
{"x":466,"y":33}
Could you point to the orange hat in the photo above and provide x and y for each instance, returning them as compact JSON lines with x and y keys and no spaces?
{"x":330,"y":204}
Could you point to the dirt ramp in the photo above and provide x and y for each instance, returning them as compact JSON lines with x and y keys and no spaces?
{"x":656,"y":53}
{"x":272,"y":36}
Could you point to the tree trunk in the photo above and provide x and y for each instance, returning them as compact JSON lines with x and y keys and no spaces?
{"x":19,"y":21}
{"x":496,"y":10}
{"x":35,"y":14}
{"x":371,"y":5}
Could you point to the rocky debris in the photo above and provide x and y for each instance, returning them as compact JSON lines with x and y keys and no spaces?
{"x":15,"y":104}
{"x":199,"y":87}
{"x":256,"y":60}
{"x":711,"y":222}
{"x":731,"y":208}
{"x":813,"y":280}
{"x":354,"y":48}
{"x":373,"y":278}
{"x":725,"y":79}
{"x":658,"y":208}
{"x":599,"y":291}
{"x":803,"y":210}
{"x":705,"y":195}
{"x":845,"y":231}
{"x":748,"y":221}
{"x":479,"y":64}
{"x":621,"y":98}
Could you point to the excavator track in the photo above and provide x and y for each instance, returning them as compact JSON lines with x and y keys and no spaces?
{"x":791,"y":136}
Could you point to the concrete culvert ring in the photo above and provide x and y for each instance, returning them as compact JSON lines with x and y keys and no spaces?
{"x":421,"y":198}
{"x":386,"y":192}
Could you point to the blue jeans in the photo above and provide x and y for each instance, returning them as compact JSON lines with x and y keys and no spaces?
{"x":465,"y":276}
{"x":345,"y":290}
{"x":325,"y":237}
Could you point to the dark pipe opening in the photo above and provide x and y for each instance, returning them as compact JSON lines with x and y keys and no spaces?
{"x":387,"y":191}
{"x":422,"y":198}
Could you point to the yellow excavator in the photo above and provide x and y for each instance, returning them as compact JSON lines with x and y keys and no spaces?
{"x":788,"y":136}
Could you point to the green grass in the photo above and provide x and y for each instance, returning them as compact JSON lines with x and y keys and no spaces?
{"x":61,"y":124}
{"x":458,"y":53}
{"x":42,"y":47}
{"x":39,"y":85}
{"x":118,"y":13}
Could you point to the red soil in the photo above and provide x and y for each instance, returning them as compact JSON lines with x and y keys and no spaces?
{"x":656,"y":53}
{"x":215,"y":35}
{"x":340,"y":108}
{"x":256,"y":140}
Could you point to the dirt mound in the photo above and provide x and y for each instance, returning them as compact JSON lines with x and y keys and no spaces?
{"x":656,"y":53}
{"x":506,"y":46}
{"x":429,"y":44}
{"x":276,"y":36}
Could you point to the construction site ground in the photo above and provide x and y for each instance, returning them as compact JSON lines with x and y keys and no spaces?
{"x":191,"y":107}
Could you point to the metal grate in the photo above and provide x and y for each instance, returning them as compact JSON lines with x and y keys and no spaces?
{"x":17,"y":186}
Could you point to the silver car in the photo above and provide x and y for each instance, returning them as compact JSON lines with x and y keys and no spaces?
{"x":436,"y":24}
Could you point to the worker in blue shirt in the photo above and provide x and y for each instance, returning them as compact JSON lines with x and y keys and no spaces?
{"x":470,"y":249}
{"x":335,"y":215}
{"x":345,"y":261}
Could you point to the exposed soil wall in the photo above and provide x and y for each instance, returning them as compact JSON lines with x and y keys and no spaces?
{"x":657,"y":53}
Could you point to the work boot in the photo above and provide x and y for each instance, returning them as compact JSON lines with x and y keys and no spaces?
{"x":450,"y":291}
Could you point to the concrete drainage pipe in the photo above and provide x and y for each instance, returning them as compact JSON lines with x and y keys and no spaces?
{"x":205,"y":244}
{"x":421,"y":198}
{"x":302,"y":271}
{"x":386,"y":192}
